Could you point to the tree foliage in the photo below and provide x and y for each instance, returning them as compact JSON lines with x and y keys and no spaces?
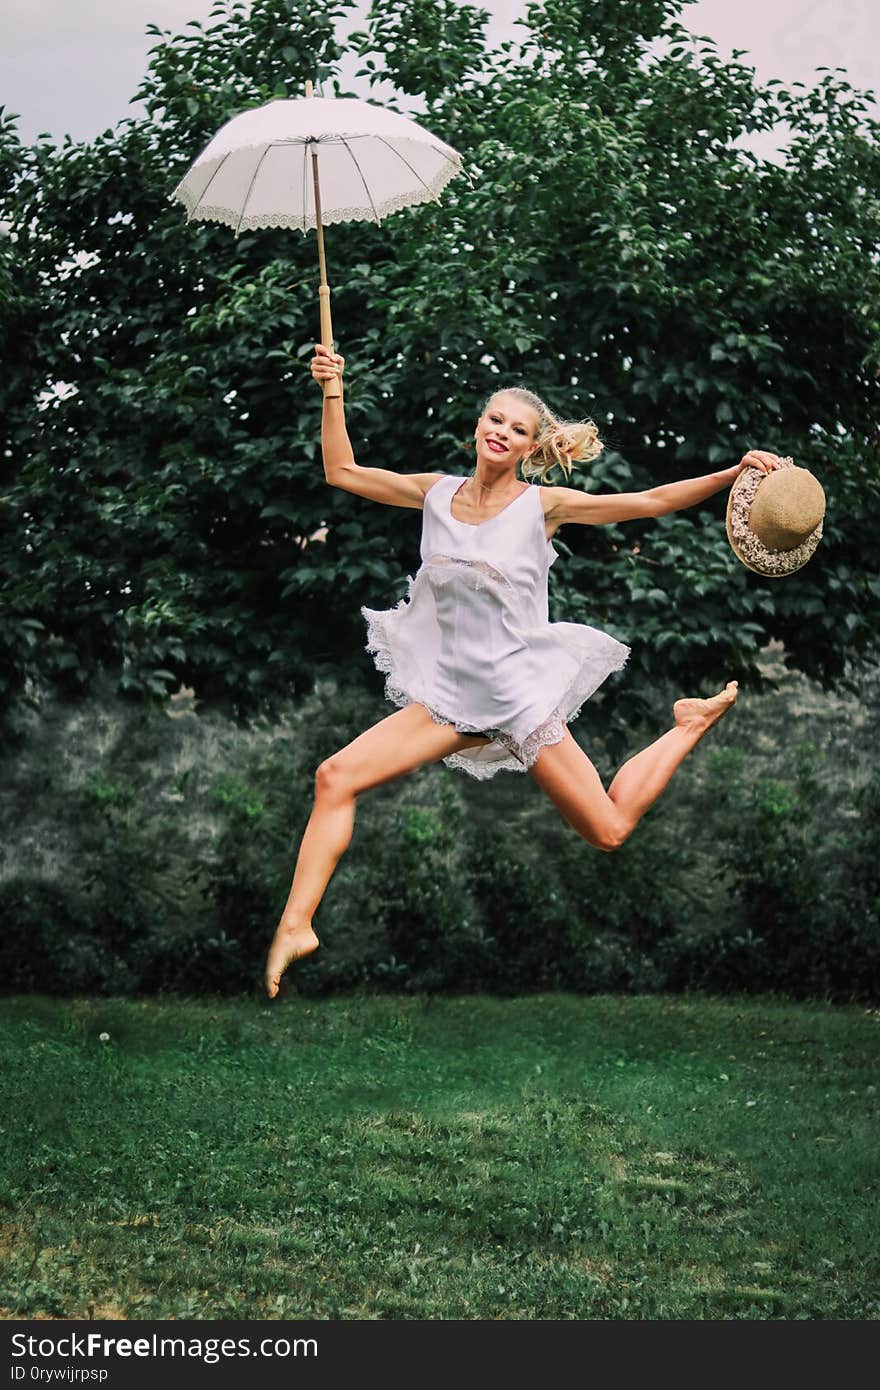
{"x":617,"y":249}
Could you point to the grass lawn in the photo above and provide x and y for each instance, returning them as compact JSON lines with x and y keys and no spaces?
{"x":553,"y":1156}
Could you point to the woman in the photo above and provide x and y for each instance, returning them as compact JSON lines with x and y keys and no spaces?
{"x":484,"y":680}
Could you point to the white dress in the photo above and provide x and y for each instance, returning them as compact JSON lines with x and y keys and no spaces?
{"x":471,"y":640}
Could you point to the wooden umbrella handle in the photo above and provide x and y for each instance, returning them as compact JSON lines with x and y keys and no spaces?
{"x":332,"y":389}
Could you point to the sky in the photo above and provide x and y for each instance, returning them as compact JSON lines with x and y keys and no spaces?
{"x":72,"y":66}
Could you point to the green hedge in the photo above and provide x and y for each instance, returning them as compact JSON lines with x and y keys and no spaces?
{"x":147,"y":854}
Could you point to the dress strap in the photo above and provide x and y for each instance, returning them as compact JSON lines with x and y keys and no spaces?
{"x":443,"y":479}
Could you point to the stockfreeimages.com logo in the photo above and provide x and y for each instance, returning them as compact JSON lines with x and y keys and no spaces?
{"x":95,"y":1344}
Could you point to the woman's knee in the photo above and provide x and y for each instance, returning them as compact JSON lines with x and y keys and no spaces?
{"x":612,"y":836}
{"x":332,"y":780}
{"x":607,"y":832}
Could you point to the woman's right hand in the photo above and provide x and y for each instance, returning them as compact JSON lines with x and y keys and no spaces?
{"x":326,"y":364}
{"x":757,"y":458}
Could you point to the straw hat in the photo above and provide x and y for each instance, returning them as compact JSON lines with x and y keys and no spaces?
{"x":774,"y":520}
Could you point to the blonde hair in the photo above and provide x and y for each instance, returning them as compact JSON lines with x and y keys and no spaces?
{"x":559,"y":443}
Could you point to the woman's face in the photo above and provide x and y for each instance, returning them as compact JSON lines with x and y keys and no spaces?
{"x":506,"y":431}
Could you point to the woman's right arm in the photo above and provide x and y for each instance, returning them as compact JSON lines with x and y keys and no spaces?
{"x":340,"y":469}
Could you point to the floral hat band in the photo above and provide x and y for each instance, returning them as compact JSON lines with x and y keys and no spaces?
{"x":774,"y":520}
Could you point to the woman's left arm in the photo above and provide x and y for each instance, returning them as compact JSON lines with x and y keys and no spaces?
{"x":568,"y":504}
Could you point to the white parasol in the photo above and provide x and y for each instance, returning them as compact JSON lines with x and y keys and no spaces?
{"x":255,"y":172}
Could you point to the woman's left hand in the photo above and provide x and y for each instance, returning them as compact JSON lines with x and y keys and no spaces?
{"x":758,"y":458}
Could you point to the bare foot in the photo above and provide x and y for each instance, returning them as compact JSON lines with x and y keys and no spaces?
{"x":705,"y":712}
{"x":292,"y":941}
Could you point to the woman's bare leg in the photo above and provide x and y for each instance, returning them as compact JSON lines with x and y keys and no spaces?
{"x":396,"y":745}
{"x":605,"y":819}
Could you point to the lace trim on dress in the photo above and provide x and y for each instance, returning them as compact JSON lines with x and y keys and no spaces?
{"x":482,"y":771}
{"x":481,"y":565}
{"x":521,"y":755}
{"x":378,"y":644}
{"x":582,"y":687}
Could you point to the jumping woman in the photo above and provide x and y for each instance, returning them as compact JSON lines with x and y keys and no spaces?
{"x":485,"y":682}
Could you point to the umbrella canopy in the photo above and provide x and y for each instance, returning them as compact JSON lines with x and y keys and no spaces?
{"x":255,"y":171}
